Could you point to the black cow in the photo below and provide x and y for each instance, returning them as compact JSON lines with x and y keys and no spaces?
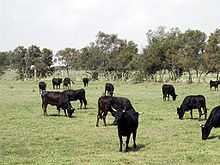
{"x":213,"y":121}
{"x":78,"y":94}
{"x":67,"y":82}
{"x":214,"y":84}
{"x":127,"y":124}
{"x":42,"y":86}
{"x":109,"y":88}
{"x":85,"y":81}
{"x":168,"y":90}
{"x":56,"y":83}
{"x":58,"y":99}
{"x":110,"y":104}
{"x":192,"y":102}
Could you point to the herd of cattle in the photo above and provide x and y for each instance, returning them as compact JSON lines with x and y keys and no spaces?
{"x":126,"y":118}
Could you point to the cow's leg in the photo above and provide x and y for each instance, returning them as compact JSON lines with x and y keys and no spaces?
{"x":200,"y":113}
{"x":81,"y":102}
{"x":127,"y":142}
{"x":44,"y":109}
{"x":164,"y":98}
{"x":134,"y":138}
{"x":58,"y":108}
{"x":104,"y":117}
{"x":191,"y":114}
{"x":97,"y":121}
{"x":84,"y":102}
{"x":205,"y":111}
{"x":168,"y":97}
{"x":120,"y":140}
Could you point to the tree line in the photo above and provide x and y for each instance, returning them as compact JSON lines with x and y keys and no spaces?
{"x":167,"y":51}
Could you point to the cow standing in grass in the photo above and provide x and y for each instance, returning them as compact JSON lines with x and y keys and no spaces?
{"x":58,"y":99}
{"x":127,"y":125}
{"x":214,"y":84}
{"x":85,"y":81}
{"x":213,"y":121}
{"x":112,"y":104}
{"x":67,"y":83}
{"x":109,"y":88}
{"x":192,"y":102}
{"x":56,"y":82}
{"x":78,"y":94}
{"x":42,"y":86}
{"x":167,"y":90}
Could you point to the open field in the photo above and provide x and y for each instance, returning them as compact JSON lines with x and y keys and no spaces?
{"x":27,"y":137}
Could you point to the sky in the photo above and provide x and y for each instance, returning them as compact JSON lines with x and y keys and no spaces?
{"x":58,"y":24}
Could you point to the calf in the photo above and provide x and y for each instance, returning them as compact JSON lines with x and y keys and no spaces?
{"x":86,"y":81}
{"x":192,"y":102}
{"x":78,"y":94}
{"x":214,"y":84}
{"x":67,"y":83}
{"x":213,"y":121}
{"x":56,"y":83}
{"x":58,"y":99}
{"x":108,"y":104}
{"x":109,"y":88}
{"x":127,"y":124}
{"x":167,"y":90}
{"x":42,"y":86}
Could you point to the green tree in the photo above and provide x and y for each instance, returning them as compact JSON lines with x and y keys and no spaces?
{"x":18,"y":61}
{"x":212,"y":53}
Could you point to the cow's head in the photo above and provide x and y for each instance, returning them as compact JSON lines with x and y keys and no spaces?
{"x":205,"y":131}
{"x":70,"y":112}
{"x":174,"y":97}
{"x":180,"y":112}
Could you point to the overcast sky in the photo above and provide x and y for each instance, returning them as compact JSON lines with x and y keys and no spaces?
{"x":57,"y":24}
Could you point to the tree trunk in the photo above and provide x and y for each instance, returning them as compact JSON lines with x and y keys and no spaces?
{"x":190,"y":77}
{"x":67,"y":71}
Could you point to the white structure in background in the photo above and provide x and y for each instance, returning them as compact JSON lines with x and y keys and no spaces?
{"x":58,"y":64}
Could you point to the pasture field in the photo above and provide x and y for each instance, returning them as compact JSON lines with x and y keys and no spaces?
{"x":27,"y":137}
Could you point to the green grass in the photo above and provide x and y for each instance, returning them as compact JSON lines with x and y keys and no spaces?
{"x":27,"y":137}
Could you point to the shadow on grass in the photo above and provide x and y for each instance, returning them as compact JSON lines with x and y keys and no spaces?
{"x":196,"y":118}
{"x":138,"y":148}
{"x":56,"y":115}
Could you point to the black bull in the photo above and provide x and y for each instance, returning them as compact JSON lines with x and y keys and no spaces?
{"x":78,"y":94}
{"x":58,"y":99}
{"x":108,"y":104}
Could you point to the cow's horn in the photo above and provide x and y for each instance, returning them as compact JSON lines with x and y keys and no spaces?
{"x":201,"y":125}
{"x":113,"y":109}
{"x":140,"y":113}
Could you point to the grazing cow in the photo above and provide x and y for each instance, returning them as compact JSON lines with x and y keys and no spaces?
{"x":192,"y":102}
{"x":109,"y":88}
{"x":107,"y":103}
{"x":214,"y":84}
{"x":56,"y":83}
{"x":168,"y":90}
{"x":213,"y":121}
{"x":67,"y":82}
{"x":78,"y":94}
{"x":86,"y":81}
{"x":42,"y":86}
{"x":127,"y":124}
{"x":58,"y":99}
